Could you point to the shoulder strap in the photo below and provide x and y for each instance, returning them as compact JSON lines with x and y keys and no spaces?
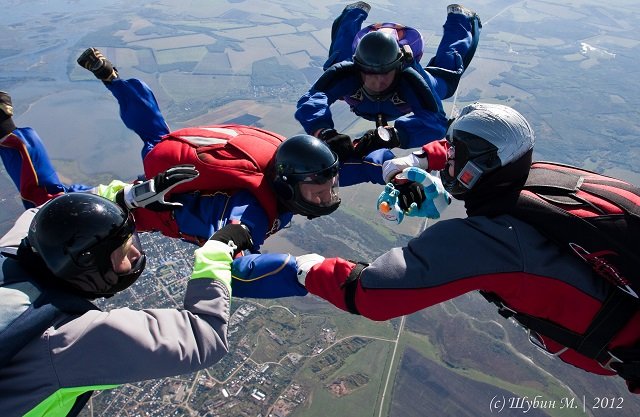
{"x":551,"y":186}
{"x":334,"y":74}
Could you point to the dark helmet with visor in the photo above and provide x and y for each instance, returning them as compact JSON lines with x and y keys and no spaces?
{"x":378,"y":52}
{"x":301,"y":160}
{"x":487,"y":140}
{"x":76,"y":236}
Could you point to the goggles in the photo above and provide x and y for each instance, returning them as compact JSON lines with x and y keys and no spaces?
{"x":318,"y":177}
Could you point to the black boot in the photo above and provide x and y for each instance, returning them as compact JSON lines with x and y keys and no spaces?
{"x":93,"y":60}
{"x":6,"y":115}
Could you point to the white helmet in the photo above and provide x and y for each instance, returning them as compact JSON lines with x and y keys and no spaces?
{"x":483,"y":139}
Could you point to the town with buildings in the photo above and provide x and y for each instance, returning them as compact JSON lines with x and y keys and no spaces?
{"x":259,"y":375}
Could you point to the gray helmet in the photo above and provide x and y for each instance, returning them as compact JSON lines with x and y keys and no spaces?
{"x":305,"y":159}
{"x":484,"y":139}
{"x":378,"y":53}
{"x":75,"y":234}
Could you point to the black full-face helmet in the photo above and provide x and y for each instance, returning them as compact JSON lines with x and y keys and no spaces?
{"x":487,"y":141}
{"x":76,"y":234}
{"x":378,"y":52}
{"x":304,"y":159}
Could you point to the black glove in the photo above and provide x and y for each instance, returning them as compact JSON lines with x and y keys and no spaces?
{"x":150,"y":194}
{"x":410,"y":192}
{"x":379,"y":138}
{"x":338,"y":143}
{"x":235,"y":235}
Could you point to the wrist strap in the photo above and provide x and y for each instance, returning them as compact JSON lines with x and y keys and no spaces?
{"x":351,"y":285}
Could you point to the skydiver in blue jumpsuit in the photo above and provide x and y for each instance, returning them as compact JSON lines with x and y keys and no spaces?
{"x":411,"y":95}
{"x":26,"y":159}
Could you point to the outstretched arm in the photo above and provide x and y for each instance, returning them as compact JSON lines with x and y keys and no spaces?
{"x":151,"y":343}
{"x":313,"y":108}
{"x":421,"y":127}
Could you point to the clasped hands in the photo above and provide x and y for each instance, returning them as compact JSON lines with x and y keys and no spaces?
{"x":415,"y":193}
{"x":373,"y":139}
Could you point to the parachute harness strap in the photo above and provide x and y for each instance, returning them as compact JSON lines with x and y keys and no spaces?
{"x":350,"y":286}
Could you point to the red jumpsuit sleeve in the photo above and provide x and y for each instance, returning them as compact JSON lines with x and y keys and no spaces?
{"x":326,"y":280}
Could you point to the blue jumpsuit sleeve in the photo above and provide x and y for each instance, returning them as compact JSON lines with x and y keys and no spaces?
{"x":424,"y":124}
{"x":313,"y":111}
{"x":202,"y":215}
{"x":254,"y":217}
{"x":271,"y":275}
{"x":438,"y":85}
{"x":420,"y":128}
{"x":369,"y":169}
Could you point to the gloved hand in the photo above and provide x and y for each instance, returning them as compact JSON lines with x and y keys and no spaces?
{"x":215,"y":257}
{"x":305,"y":263}
{"x":410,"y":194}
{"x":338,"y":143}
{"x":150,"y":194}
{"x":400,"y":197}
{"x":436,"y":197}
{"x":394,"y":166}
{"x":420,"y":186}
{"x":379,"y":138}
{"x":235,"y":235}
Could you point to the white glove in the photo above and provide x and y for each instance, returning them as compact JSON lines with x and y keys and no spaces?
{"x":392,"y":167}
{"x":305,"y":263}
{"x":150,"y":194}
